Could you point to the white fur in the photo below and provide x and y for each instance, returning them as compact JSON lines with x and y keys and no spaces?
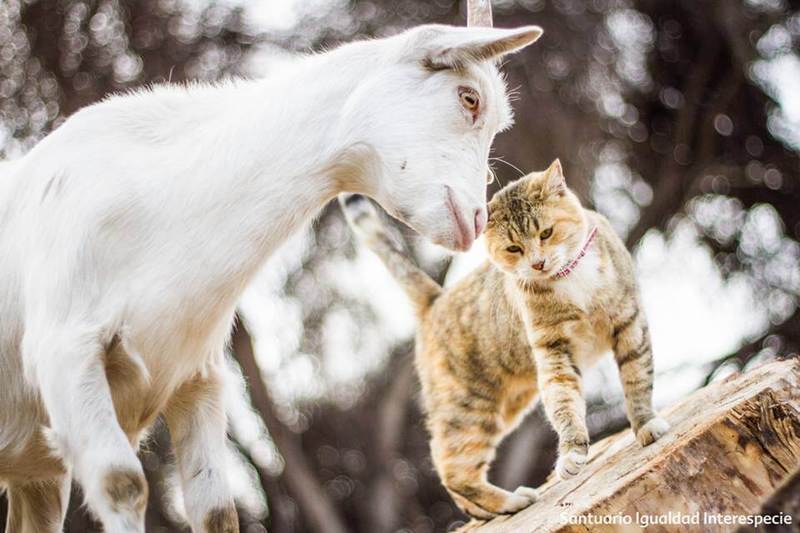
{"x":569,"y":464}
{"x":138,"y":223}
{"x":652,"y":431}
{"x":584,"y":280}
{"x":578,"y":287}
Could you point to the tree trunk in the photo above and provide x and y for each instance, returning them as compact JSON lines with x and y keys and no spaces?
{"x":311,"y":497}
{"x":785,"y":500}
{"x":731,"y":446}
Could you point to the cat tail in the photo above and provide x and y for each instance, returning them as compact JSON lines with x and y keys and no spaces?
{"x":367,"y":224}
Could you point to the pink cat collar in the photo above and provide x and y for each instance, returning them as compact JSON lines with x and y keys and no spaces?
{"x":564,"y":272}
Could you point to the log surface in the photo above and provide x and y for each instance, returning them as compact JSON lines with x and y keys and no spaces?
{"x":730,"y":446}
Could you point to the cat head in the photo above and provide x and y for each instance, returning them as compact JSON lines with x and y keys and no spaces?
{"x":536,"y":225}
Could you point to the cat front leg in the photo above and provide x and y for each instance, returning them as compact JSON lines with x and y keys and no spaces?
{"x":634,"y":356}
{"x":560,"y":385}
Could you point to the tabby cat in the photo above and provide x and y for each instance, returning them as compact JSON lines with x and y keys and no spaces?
{"x":558,"y":293}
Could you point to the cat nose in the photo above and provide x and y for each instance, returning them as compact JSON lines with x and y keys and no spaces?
{"x":539,"y":265}
{"x":480,"y":220}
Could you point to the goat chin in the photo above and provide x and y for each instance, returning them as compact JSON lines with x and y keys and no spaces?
{"x":128,"y":235}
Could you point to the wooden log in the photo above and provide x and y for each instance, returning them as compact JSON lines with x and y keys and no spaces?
{"x":786,"y":500}
{"x":732,"y":444}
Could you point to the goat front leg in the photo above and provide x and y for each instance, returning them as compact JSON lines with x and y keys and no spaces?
{"x":560,"y":388}
{"x":634,"y":356}
{"x":197,"y":423}
{"x":68,"y":365}
{"x":38,"y":506}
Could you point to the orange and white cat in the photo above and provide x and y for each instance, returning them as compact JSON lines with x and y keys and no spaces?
{"x":558,"y":292}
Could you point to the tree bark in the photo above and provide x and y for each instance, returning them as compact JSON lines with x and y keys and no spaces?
{"x":730,"y":447}
{"x":386,"y":501}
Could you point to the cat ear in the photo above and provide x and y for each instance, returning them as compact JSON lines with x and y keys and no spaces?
{"x":554,"y":181}
{"x":490,"y":208}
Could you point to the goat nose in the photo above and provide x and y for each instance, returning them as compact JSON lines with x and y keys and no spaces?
{"x":538,"y":266}
{"x":480,"y":221}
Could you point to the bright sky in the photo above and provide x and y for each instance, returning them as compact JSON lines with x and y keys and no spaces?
{"x":275,"y":15}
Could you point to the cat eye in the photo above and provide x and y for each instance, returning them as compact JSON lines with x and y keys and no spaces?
{"x":470,"y":100}
{"x":546,"y":234}
{"x":513,"y":249}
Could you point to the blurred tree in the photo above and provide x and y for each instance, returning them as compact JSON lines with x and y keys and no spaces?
{"x":663,"y":113}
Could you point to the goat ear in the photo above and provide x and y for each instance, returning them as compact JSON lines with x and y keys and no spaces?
{"x":554,"y":181}
{"x":454,"y":47}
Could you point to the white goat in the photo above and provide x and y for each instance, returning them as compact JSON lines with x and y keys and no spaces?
{"x":128,"y":235}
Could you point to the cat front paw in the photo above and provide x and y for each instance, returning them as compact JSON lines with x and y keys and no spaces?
{"x":653,"y":430}
{"x":570,"y":462}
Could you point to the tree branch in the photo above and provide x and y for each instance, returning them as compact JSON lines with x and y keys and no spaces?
{"x":667,"y":199}
{"x":299,"y":477}
{"x":385,"y":504}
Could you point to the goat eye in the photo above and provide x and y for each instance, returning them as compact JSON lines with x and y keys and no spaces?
{"x":546,"y":234}
{"x":513,"y":249}
{"x":469,"y":99}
